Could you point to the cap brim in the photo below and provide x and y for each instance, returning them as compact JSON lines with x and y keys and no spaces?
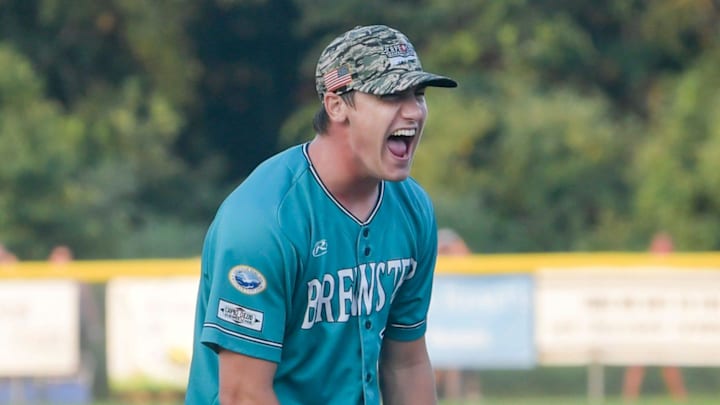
{"x":431,"y":80}
{"x":390,"y":85}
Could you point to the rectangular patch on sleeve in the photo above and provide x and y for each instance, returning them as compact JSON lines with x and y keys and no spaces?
{"x":238,"y":315}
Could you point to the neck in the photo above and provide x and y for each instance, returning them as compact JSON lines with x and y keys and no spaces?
{"x":336,"y":168}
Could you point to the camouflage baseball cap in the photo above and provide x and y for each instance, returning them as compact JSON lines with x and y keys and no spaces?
{"x":372,"y":59}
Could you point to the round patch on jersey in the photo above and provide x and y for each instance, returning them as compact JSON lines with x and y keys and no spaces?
{"x":247,"y":280}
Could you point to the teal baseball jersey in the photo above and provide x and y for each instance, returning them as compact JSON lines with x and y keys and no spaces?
{"x":290,"y":276}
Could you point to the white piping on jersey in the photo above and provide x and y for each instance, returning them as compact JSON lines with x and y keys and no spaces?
{"x":402,"y":326}
{"x":241,"y":336}
{"x":305,"y":149}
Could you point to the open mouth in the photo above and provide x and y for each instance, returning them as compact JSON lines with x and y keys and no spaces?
{"x":399,"y":142}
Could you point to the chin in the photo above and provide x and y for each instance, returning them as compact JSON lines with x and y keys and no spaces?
{"x":397,"y":176}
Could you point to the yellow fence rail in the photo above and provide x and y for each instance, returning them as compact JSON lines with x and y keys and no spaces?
{"x":97,"y":271}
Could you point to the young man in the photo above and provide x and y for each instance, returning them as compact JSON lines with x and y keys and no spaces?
{"x":317,"y":270}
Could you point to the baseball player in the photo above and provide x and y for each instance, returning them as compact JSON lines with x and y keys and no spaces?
{"x":317,"y":269}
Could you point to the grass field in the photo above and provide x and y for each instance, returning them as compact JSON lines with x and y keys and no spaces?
{"x":584,"y":400}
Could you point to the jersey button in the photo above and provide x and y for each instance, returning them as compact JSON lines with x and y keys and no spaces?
{"x":368,"y":324}
{"x":367,"y":251}
{"x":368,"y":377}
{"x":366,"y":232}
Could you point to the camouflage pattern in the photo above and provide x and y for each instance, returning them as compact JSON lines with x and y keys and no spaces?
{"x":380,"y":59}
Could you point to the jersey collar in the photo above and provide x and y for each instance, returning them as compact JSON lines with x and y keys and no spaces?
{"x":319,"y":181}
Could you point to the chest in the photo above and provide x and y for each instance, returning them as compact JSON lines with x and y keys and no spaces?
{"x":354,"y":269}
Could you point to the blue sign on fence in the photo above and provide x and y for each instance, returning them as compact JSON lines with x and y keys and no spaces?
{"x":481,"y":322}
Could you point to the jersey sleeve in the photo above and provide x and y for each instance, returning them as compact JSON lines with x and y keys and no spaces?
{"x":408,"y":314}
{"x":246,"y":262}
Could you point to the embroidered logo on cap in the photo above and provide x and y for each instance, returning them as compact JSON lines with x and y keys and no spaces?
{"x":399,"y":53}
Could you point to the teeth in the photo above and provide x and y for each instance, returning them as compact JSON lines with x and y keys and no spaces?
{"x":404,"y":132}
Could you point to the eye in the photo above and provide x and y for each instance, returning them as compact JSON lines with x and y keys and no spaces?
{"x":418,"y":93}
{"x":391,"y":97}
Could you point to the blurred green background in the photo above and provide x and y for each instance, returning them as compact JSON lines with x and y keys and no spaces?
{"x":579,"y":125}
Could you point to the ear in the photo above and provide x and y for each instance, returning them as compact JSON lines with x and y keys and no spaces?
{"x":335,"y":107}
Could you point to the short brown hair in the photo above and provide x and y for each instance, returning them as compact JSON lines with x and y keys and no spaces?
{"x":321,"y":119}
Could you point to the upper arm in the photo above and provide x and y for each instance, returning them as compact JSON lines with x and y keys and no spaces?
{"x":400,"y":354}
{"x":244,"y":379}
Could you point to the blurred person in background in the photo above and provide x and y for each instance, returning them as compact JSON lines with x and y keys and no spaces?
{"x":60,"y":254}
{"x":7,"y":256}
{"x":91,"y":327}
{"x":455,"y":384}
{"x":317,"y":269}
{"x":661,"y":245}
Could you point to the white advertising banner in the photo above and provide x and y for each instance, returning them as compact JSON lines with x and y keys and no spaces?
{"x":628,"y":316}
{"x":150,"y":332}
{"x":39,"y":328}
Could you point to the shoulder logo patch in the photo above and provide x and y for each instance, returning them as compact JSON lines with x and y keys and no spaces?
{"x":247,"y":280}
{"x":242,"y":316}
{"x":320,"y":248}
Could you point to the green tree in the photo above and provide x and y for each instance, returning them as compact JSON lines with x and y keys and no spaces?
{"x":536,"y":163}
{"x":537,"y":149}
{"x":677,"y":172}
{"x":79,"y":178}
{"x":39,"y":149}
{"x":578,"y":125}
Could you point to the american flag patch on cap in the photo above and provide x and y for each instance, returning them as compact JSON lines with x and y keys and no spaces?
{"x":337,"y":78}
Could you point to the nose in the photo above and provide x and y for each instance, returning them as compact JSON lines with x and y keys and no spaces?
{"x":414,"y":107}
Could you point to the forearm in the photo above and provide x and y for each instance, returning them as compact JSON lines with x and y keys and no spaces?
{"x":245,"y":380}
{"x":409,"y":384}
{"x":237,"y":397}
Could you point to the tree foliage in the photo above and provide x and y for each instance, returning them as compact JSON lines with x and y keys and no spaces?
{"x":577,"y":126}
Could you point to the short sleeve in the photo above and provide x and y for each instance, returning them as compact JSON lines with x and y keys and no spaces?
{"x":408,"y":315}
{"x":247,"y":261}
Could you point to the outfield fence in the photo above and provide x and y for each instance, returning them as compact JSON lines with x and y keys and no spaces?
{"x":84,"y":329}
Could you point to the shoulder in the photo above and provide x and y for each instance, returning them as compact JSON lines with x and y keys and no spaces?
{"x":266,"y":186}
{"x":409,"y":202}
{"x":255,"y":203}
{"x":410,"y":195}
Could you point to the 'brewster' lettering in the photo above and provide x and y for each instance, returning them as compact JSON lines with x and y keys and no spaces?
{"x":339,"y":296}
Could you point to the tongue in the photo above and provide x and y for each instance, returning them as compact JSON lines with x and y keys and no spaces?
{"x":397,"y":146}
